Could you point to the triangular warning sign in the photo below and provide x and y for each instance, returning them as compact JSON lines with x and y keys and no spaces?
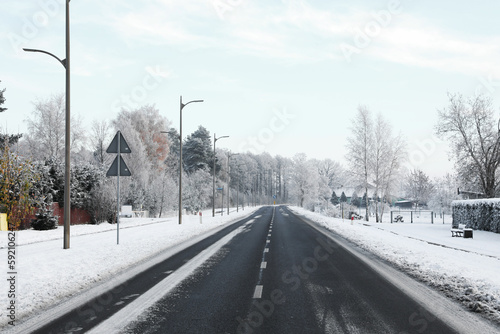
{"x":113,"y":170}
{"x":113,"y":147}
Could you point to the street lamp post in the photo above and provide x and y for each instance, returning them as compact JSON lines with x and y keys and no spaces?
{"x":182,"y":105}
{"x":67,"y":143}
{"x":238,"y":192}
{"x":229,"y":155}
{"x":213,"y":178}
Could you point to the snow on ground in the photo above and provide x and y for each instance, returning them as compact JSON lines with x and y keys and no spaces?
{"x":464,"y":269}
{"x":47,"y":274}
{"x":467,"y":270}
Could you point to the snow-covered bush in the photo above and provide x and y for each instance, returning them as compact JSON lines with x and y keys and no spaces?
{"x":101,"y":204}
{"x":44,"y":218}
{"x":479,"y":214}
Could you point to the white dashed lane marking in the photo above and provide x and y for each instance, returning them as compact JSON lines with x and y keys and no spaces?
{"x":263,"y":265}
{"x":258,"y":292}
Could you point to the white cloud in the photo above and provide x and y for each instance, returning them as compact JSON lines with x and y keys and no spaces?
{"x":415,"y":42}
{"x":297,"y":31}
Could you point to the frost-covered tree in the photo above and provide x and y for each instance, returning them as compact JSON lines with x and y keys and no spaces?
{"x":46,"y":129}
{"x":167,"y":195}
{"x":418,"y":186}
{"x":172,"y":160}
{"x":85,"y":177}
{"x":360,"y":148}
{"x":266,"y":167}
{"x":343,"y":198}
{"x":304,"y":185}
{"x":197,"y":190}
{"x":444,"y":192}
{"x":332,"y":171}
{"x":375,"y":156}
{"x":334,"y":199}
{"x":144,"y":125}
{"x":387,"y":156}
{"x":44,"y":216}
{"x":283,"y":169}
{"x":8,"y":140}
{"x":142,"y":129}
{"x":100,"y":138}
{"x":471,"y":126}
{"x":102,"y":202}
{"x":197,"y":151}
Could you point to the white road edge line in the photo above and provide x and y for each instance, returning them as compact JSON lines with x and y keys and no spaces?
{"x":120,"y":320}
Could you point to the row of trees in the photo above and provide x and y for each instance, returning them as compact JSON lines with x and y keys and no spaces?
{"x":33,"y":162}
{"x":154,"y":165}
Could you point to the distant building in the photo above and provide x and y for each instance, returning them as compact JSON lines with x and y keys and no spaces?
{"x":470,"y":194}
{"x":404,"y":204}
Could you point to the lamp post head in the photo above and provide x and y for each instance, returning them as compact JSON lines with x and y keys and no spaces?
{"x":220,"y":137}
{"x":62,"y":61}
{"x":185,"y":104}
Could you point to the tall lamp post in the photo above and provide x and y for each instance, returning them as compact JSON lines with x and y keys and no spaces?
{"x":213,"y":178}
{"x":229,"y":155}
{"x":67,"y":143}
{"x":180,"y":159}
{"x":238,"y":191}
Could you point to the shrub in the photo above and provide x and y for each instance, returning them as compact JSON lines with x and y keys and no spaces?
{"x":479,"y":214}
{"x":44,"y":219}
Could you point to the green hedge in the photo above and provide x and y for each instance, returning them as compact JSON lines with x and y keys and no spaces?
{"x":478,"y":214}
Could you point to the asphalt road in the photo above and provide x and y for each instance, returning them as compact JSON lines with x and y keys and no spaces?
{"x":280,"y":275}
{"x":97,"y":310}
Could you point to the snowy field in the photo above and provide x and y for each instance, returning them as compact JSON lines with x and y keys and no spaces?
{"x":47,"y":274}
{"x":467,"y":270}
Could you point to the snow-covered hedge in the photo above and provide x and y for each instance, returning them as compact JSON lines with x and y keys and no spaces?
{"x":479,"y":214}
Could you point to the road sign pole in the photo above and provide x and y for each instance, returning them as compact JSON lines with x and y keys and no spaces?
{"x":118,"y":144}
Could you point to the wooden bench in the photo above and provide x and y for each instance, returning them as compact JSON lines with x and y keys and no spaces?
{"x":457,"y":232}
{"x":399,"y":219}
{"x":462,"y":231}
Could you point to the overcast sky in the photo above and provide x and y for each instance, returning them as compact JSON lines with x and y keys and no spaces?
{"x":278,"y":76}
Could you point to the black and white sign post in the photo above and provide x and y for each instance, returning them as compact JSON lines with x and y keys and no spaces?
{"x":118,"y":168}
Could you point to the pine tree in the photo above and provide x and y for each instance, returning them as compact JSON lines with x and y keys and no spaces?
{"x":343,"y":198}
{"x":355,"y":200}
{"x":2,"y":100}
{"x":8,"y":140}
{"x":197,"y":151}
{"x":334,"y":199}
{"x":44,"y":218}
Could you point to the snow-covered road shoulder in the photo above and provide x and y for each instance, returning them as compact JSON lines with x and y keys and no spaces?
{"x":466,"y":270}
{"x":48,"y":275}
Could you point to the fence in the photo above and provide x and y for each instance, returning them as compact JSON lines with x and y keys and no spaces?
{"x":418,"y":216}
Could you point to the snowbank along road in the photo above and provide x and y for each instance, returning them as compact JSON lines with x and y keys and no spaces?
{"x":273,"y":272}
